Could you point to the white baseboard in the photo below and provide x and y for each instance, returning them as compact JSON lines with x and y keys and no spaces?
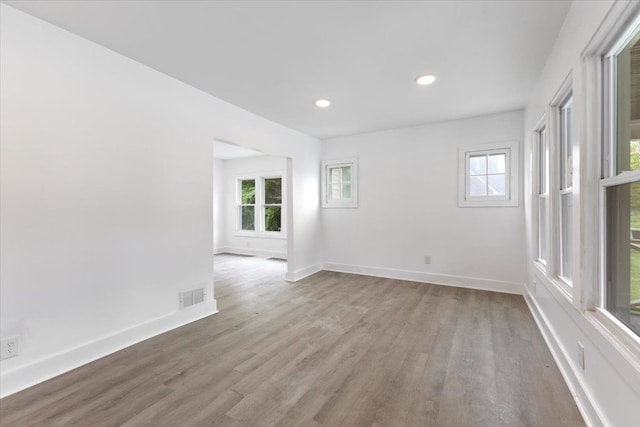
{"x":41,"y":370}
{"x":436,"y":279}
{"x":251,"y":252}
{"x":302,"y":273}
{"x":582,"y":398}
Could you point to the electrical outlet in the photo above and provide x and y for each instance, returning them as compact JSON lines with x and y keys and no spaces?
{"x":10,"y":347}
{"x":580,"y":355}
{"x":427,"y":259}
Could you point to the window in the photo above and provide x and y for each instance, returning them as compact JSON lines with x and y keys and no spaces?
{"x":620,"y":183}
{"x":261,"y":205}
{"x":272,"y":204}
{"x":340,"y":183}
{"x":488,"y":175}
{"x":247,"y":207}
{"x":542,"y":193}
{"x":566,"y":189}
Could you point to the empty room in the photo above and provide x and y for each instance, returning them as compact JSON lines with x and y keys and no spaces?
{"x":320,"y":213}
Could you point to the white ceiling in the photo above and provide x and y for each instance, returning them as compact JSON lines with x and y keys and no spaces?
{"x":226,"y":151}
{"x":274,"y":58}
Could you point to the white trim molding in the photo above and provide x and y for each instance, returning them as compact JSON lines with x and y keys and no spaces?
{"x":434,"y":279}
{"x":251,"y":252}
{"x":583,"y":399}
{"x":15,"y":380}
{"x":302,"y":273}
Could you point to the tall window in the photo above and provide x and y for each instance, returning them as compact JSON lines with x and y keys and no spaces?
{"x":261,"y":205}
{"x":543,"y":194}
{"x":247,"y":206}
{"x":566,"y":189}
{"x":621,"y":183}
{"x":272,"y":204}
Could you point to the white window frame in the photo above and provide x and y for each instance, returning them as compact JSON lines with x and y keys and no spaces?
{"x":260,"y":205}
{"x":565,"y":174}
{"x":597,"y":134}
{"x":351,"y":202}
{"x":264,"y":205}
{"x":557,"y":189}
{"x":610,"y":177}
{"x":510,"y":199}
{"x":240,"y":205}
{"x":541,"y":189}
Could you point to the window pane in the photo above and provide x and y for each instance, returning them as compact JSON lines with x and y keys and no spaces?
{"x":247,"y":218}
{"x":346,"y":190}
{"x":566,"y":224}
{"x":628,"y":107}
{"x":248,"y":191}
{"x":497,"y":185}
{"x":623,"y":254}
{"x":542,"y":162}
{"x":477,"y":186}
{"x":272,"y":220}
{"x":478,"y":164}
{"x":273,"y":191}
{"x":346,"y":173}
{"x":542,"y":228}
{"x":335,"y":175}
{"x":335,"y":191}
{"x":497,"y":163}
{"x":566,"y":145}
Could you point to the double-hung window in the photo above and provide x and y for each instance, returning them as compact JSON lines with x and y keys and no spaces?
{"x":566,"y":189}
{"x":261,"y":207}
{"x":620,"y":183}
{"x":543,"y":193}
{"x":247,"y":205}
{"x":272,"y":204}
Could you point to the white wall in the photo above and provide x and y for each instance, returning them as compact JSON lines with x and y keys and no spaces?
{"x":107,"y":195}
{"x":608,"y":389}
{"x":408,"y":208}
{"x":235,"y":242}
{"x":218,"y":205}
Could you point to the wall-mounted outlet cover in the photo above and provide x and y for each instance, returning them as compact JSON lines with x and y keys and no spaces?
{"x":427,"y":259}
{"x":10,"y":347}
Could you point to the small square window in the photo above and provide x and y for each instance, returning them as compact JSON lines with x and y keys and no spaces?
{"x":488,"y":175}
{"x":340,"y":183}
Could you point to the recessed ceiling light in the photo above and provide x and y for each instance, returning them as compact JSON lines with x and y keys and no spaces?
{"x":427,"y":79}
{"x":322,"y":103}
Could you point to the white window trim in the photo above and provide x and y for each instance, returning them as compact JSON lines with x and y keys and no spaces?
{"x":344,"y":203}
{"x":613,"y":33}
{"x":511,"y":199}
{"x":259,"y":209}
{"x":539,"y":129}
{"x":554,"y":140}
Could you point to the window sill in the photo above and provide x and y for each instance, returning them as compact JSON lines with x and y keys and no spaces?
{"x":257,"y":235}
{"x":564,"y":287}
{"x":541,"y":264}
{"x":626,"y":343}
{"x":488,"y":203}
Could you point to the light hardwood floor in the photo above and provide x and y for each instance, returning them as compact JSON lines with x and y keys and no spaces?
{"x":332,"y":350}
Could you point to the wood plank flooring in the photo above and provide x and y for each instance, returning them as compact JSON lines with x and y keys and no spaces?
{"x":332,"y":350}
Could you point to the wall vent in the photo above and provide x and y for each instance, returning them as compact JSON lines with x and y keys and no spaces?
{"x":189,"y":298}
